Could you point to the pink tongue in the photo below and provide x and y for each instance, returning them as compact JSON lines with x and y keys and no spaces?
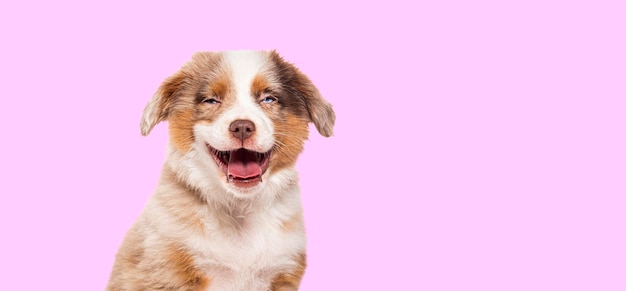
{"x":243,"y":164}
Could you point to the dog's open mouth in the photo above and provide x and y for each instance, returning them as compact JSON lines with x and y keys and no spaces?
{"x":242,"y":167}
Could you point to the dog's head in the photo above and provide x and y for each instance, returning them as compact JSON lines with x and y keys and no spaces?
{"x":242,"y":115}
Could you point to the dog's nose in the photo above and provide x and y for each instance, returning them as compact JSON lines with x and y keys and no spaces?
{"x":242,"y":129}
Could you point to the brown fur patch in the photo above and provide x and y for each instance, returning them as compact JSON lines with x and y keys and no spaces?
{"x":187,"y":276}
{"x":259,"y":85}
{"x":181,"y":129}
{"x":294,"y":223}
{"x":221,"y":87}
{"x":290,"y":133}
{"x":290,"y":280}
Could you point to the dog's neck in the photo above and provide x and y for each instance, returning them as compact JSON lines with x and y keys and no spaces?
{"x":191,"y":168}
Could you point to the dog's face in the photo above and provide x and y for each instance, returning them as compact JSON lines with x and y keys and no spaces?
{"x":241,"y":115}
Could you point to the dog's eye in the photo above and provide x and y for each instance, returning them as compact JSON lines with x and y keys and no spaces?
{"x":269,"y":99}
{"x":211,"y":101}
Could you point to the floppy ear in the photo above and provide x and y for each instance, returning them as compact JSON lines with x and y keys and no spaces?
{"x":158,"y":109}
{"x":321,"y":112}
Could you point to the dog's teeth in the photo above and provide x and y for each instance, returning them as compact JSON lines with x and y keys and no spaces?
{"x":230,"y":178}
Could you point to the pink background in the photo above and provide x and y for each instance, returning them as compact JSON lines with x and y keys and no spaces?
{"x":479,"y":145}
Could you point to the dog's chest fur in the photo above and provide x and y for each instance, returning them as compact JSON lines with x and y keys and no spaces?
{"x":250,"y":258}
{"x":242,"y":247}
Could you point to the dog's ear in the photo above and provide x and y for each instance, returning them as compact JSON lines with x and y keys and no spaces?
{"x":321,"y":112}
{"x":158,"y":109}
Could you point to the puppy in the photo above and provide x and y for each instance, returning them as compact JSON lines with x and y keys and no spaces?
{"x":226,"y":214}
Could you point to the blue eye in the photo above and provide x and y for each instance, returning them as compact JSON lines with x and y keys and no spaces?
{"x":211,"y":101}
{"x":269,"y":99}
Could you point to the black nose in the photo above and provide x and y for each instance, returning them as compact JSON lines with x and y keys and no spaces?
{"x":242,"y":129}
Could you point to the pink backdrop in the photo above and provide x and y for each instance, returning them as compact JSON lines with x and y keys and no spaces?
{"x":479,"y":145}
